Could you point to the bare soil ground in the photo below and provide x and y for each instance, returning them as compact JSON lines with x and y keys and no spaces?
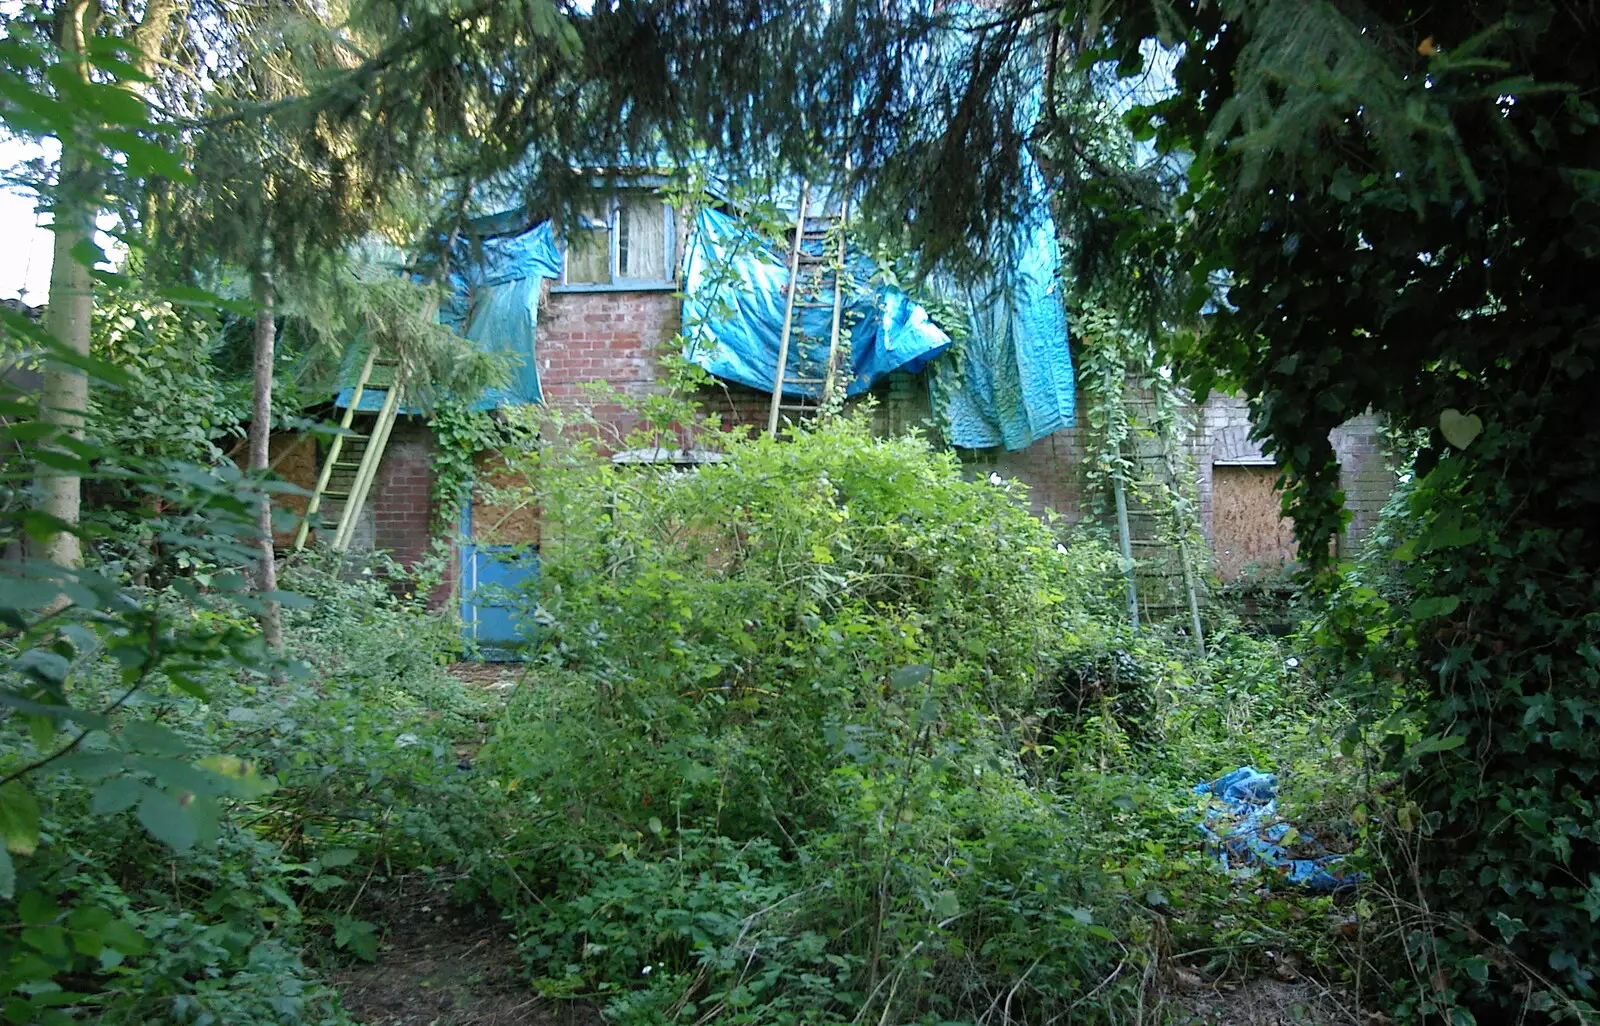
{"x":447,"y":966}
{"x":499,"y":677}
{"x":441,"y":964}
{"x":1265,"y":1002}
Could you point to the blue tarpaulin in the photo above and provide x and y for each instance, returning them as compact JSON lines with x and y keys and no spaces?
{"x":1011,"y":381}
{"x":735,"y":285}
{"x":1010,"y":384}
{"x":494,"y":301}
{"x":1242,"y":826}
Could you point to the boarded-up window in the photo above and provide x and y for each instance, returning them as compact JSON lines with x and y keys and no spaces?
{"x":1249,"y":533}
{"x":503,"y":507}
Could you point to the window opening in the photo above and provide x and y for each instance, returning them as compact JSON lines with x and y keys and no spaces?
{"x":589,"y":250}
{"x":630,"y":241}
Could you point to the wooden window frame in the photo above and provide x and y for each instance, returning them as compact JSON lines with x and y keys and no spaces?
{"x":614,"y":246}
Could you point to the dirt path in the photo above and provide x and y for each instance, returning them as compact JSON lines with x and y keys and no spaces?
{"x":441,"y":964}
{"x":1265,"y":1002}
{"x":495,"y":677}
{"x":447,"y":966}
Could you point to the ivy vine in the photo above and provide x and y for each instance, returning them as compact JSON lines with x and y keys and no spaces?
{"x":461,"y":432}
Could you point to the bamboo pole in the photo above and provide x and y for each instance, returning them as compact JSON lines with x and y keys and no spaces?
{"x":1127,"y":545}
{"x":831,"y":378}
{"x":1180,"y":525}
{"x":1194,"y":598}
{"x":788,"y":313}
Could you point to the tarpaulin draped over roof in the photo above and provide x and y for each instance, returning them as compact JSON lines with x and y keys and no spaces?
{"x":494,"y":302}
{"x":1011,"y":381}
{"x":734,"y":292}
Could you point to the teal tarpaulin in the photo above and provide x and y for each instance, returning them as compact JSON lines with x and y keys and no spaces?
{"x":494,"y":302}
{"x":735,"y":286}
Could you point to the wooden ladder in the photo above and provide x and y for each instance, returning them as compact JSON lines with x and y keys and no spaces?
{"x":816,"y":281}
{"x":346,"y":477}
{"x":1155,"y":534}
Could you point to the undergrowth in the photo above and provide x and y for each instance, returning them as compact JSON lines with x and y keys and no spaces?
{"x":124,"y":915}
{"x":825,"y":733}
{"x":822,"y":733}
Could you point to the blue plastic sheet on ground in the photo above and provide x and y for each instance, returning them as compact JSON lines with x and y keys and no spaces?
{"x":735,"y":284}
{"x":1242,"y":826}
{"x":494,"y":302}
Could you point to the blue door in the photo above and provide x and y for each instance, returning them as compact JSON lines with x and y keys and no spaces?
{"x":495,"y":597}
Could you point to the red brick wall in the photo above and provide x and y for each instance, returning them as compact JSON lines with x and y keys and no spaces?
{"x":402,"y":495}
{"x":293,"y":457}
{"x":1363,"y":474}
{"x":902,"y":404}
{"x":1052,"y":468}
{"x":602,"y":337}
{"x":738,"y":407}
{"x":611,"y":337}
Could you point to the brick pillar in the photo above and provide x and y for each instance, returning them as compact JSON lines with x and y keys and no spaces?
{"x":1363,"y":474}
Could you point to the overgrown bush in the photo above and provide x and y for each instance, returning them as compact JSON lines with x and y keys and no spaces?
{"x":201,"y":839}
{"x":1467,"y":713}
{"x":823,"y":732}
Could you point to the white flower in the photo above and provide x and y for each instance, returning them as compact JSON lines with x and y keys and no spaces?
{"x":646,"y":970}
{"x":995,"y":479}
{"x":1292,"y":662}
{"x":1061,"y":548}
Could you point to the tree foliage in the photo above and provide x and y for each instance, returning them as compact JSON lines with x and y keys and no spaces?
{"x":1349,"y":206}
{"x":1405,"y":208}
{"x":1389,"y":208}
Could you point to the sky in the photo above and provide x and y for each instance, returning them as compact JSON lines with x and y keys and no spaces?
{"x":25,"y":239}
{"x":24,"y":243}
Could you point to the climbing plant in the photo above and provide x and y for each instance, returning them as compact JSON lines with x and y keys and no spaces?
{"x":1402,"y":209}
{"x":1105,"y":345}
{"x":1135,"y":406}
{"x":461,"y":434}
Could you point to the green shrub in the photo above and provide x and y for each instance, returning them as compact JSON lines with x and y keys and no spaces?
{"x":299,"y":791}
{"x":824,"y":732}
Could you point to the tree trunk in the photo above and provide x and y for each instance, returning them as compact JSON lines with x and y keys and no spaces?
{"x":260,"y":435}
{"x":64,"y":397}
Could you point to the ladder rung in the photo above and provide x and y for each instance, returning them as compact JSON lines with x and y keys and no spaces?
{"x":335,"y":495}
